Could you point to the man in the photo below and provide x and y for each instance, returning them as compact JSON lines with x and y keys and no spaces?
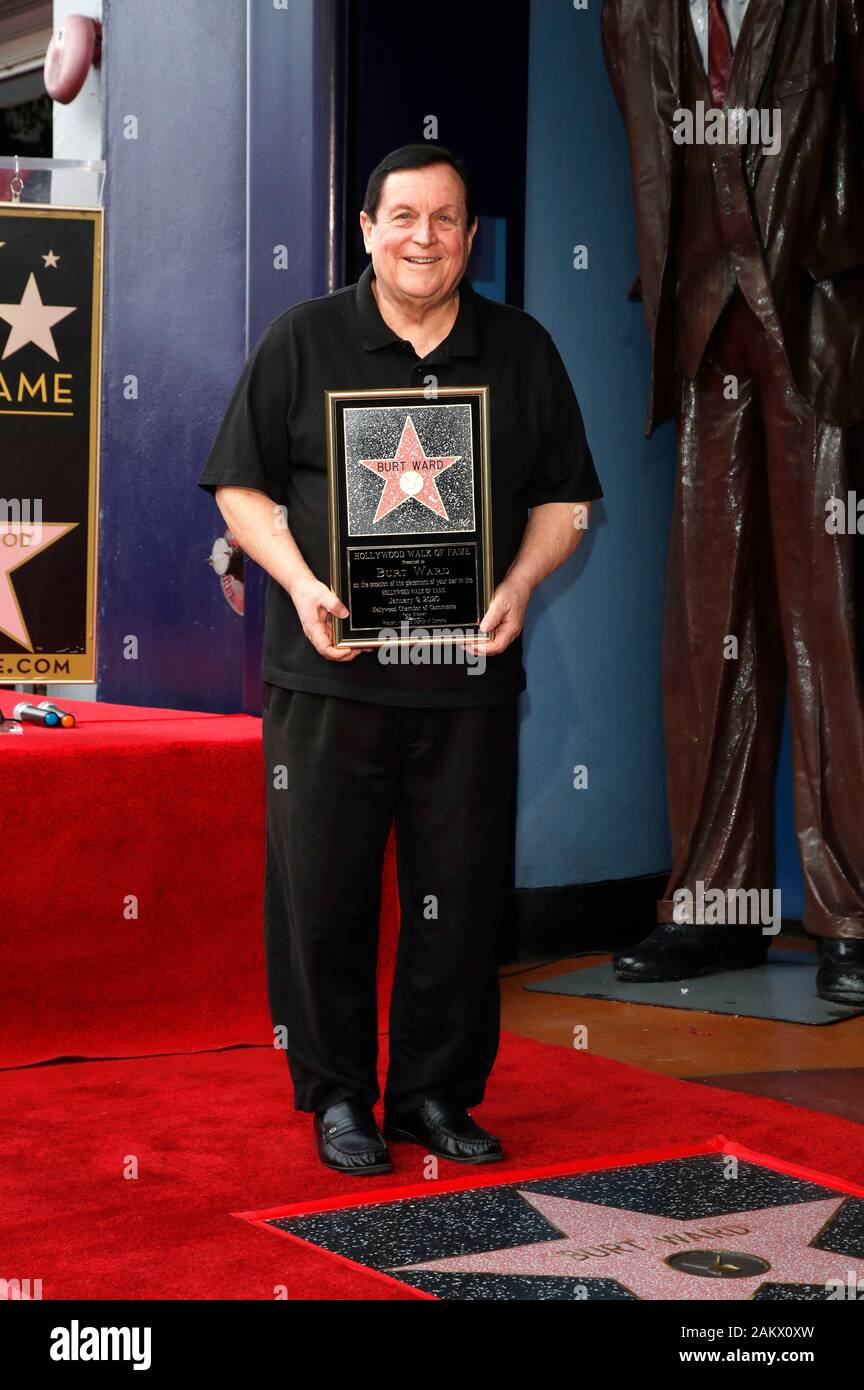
{"x":360,"y":741}
{"x":752,"y":277}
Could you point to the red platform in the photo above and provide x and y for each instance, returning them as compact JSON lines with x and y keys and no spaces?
{"x":133,"y":874}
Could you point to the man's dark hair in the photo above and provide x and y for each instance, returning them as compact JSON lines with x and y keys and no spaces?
{"x":420,"y":156}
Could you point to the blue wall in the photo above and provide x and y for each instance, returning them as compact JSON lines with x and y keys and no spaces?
{"x":175,"y":318}
{"x":593,"y":632}
{"x":192,"y":218}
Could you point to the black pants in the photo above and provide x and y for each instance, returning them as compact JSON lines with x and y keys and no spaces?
{"x":338,"y":772}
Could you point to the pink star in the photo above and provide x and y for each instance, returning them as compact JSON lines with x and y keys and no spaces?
{"x":28,"y":542}
{"x":32,"y":321}
{"x":410,"y":473}
{"x":600,"y":1242}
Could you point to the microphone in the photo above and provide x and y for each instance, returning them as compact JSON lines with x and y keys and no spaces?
{"x":66,"y":719}
{"x":32,"y":714}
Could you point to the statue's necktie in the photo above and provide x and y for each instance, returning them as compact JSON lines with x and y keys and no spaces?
{"x":719,"y":52}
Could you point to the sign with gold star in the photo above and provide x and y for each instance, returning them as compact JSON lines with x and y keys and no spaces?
{"x":50,"y":363}
{"x":714,"y":1225}
{"x":410,"y":506}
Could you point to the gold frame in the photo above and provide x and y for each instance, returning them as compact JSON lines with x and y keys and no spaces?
{"x":82,"y":665}
{"x":419,"y":393}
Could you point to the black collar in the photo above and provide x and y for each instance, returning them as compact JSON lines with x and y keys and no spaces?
{"x":461,"y":341}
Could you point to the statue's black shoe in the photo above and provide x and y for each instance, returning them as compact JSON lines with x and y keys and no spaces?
{"x":349,"y":1140}
{"x":445,"y":1130}
{"x":840,"y":978}
{"x":678,"y":952}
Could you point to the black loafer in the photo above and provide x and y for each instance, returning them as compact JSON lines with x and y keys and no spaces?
{"x":349,"y":1140}
{"x":445,"y":1130}
{"x":679,"y":951}
{"x":840,"y":978}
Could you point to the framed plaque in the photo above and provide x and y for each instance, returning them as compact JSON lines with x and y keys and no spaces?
{"x":409,"y":504}
{"x":50,"y":373}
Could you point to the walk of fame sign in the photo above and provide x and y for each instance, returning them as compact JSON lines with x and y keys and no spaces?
{"x":50,"y":356}
{"x":690,"y":1228}
{"x":409,"y":514}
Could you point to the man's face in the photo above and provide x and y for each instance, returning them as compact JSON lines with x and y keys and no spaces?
{"x":419,"y":241}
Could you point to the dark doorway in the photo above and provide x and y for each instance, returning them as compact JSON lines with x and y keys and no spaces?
{"x":468,"y":69}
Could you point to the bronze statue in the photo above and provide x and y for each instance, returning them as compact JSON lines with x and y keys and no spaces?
{"x":751,"y":256}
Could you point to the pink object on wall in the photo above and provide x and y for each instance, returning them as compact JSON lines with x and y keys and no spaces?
{"x":73,"y":48}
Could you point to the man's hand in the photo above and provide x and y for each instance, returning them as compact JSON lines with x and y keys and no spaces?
{"x":506,"y":614}
{"x":553,"y":532}
{"x":316,"y":605}
{"x":261,"y":529}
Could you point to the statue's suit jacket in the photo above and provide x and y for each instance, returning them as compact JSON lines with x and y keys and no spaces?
{"x":805,"y":203}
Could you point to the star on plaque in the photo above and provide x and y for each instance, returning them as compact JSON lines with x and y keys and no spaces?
{"x":32,"y":321}
{"x":11,"y":619}
{"x":410,"y":473}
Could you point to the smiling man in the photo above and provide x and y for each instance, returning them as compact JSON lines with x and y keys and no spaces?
{"x":352,"y":742}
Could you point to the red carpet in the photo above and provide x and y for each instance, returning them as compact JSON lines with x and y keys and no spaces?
{"x":215,"y":1133}
{"x":166,"y":806}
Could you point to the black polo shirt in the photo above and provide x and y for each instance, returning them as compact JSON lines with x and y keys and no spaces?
{"x":272,"y":437}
